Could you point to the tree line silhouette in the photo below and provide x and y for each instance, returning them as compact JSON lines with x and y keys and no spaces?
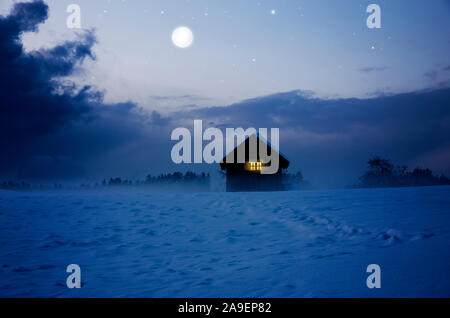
{"x":169,"y":178}
{"x":192,"y":179}
{"x":381,"y":173}
{"x":12,"y":185}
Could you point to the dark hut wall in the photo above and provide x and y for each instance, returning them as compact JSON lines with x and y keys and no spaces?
{"x":242,"y":180}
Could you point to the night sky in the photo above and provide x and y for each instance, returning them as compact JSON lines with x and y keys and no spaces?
{"x":98,"y":101}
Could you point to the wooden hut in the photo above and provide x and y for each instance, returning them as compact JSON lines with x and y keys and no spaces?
{"x":247,"y":176}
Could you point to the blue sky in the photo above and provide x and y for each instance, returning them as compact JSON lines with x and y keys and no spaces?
{"x":242,"y":50}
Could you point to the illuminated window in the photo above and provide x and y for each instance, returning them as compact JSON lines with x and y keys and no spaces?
{"x":254,"y":166}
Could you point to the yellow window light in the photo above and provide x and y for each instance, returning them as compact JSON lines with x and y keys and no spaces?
{"x":254,"y":166}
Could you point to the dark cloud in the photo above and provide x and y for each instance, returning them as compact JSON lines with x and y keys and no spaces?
{"x":331,"y":139}
{"x":370,"y":69}
{"x":159,"y":120}
{"x":49,"y":127}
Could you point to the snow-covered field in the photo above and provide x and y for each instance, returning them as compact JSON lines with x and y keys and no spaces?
{"x":281,"y":244}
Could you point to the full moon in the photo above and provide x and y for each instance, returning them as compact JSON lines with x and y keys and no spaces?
{"x":182,"y":37}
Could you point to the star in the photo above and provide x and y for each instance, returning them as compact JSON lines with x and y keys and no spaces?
{"x":273,"y":12}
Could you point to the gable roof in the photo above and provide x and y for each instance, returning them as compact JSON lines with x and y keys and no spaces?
{"x":231,"y":157}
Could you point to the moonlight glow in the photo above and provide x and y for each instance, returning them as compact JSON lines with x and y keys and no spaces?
{"x":182,"y":37}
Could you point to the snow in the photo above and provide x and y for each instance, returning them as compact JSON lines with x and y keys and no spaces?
{"x":138,"y":243}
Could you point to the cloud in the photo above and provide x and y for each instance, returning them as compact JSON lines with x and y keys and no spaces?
{"x":370,"y":69}
{"x":432,"y":75}
{"x":187,"y":97}
{"x":48,"y":126}
{"x":330,"y":140}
